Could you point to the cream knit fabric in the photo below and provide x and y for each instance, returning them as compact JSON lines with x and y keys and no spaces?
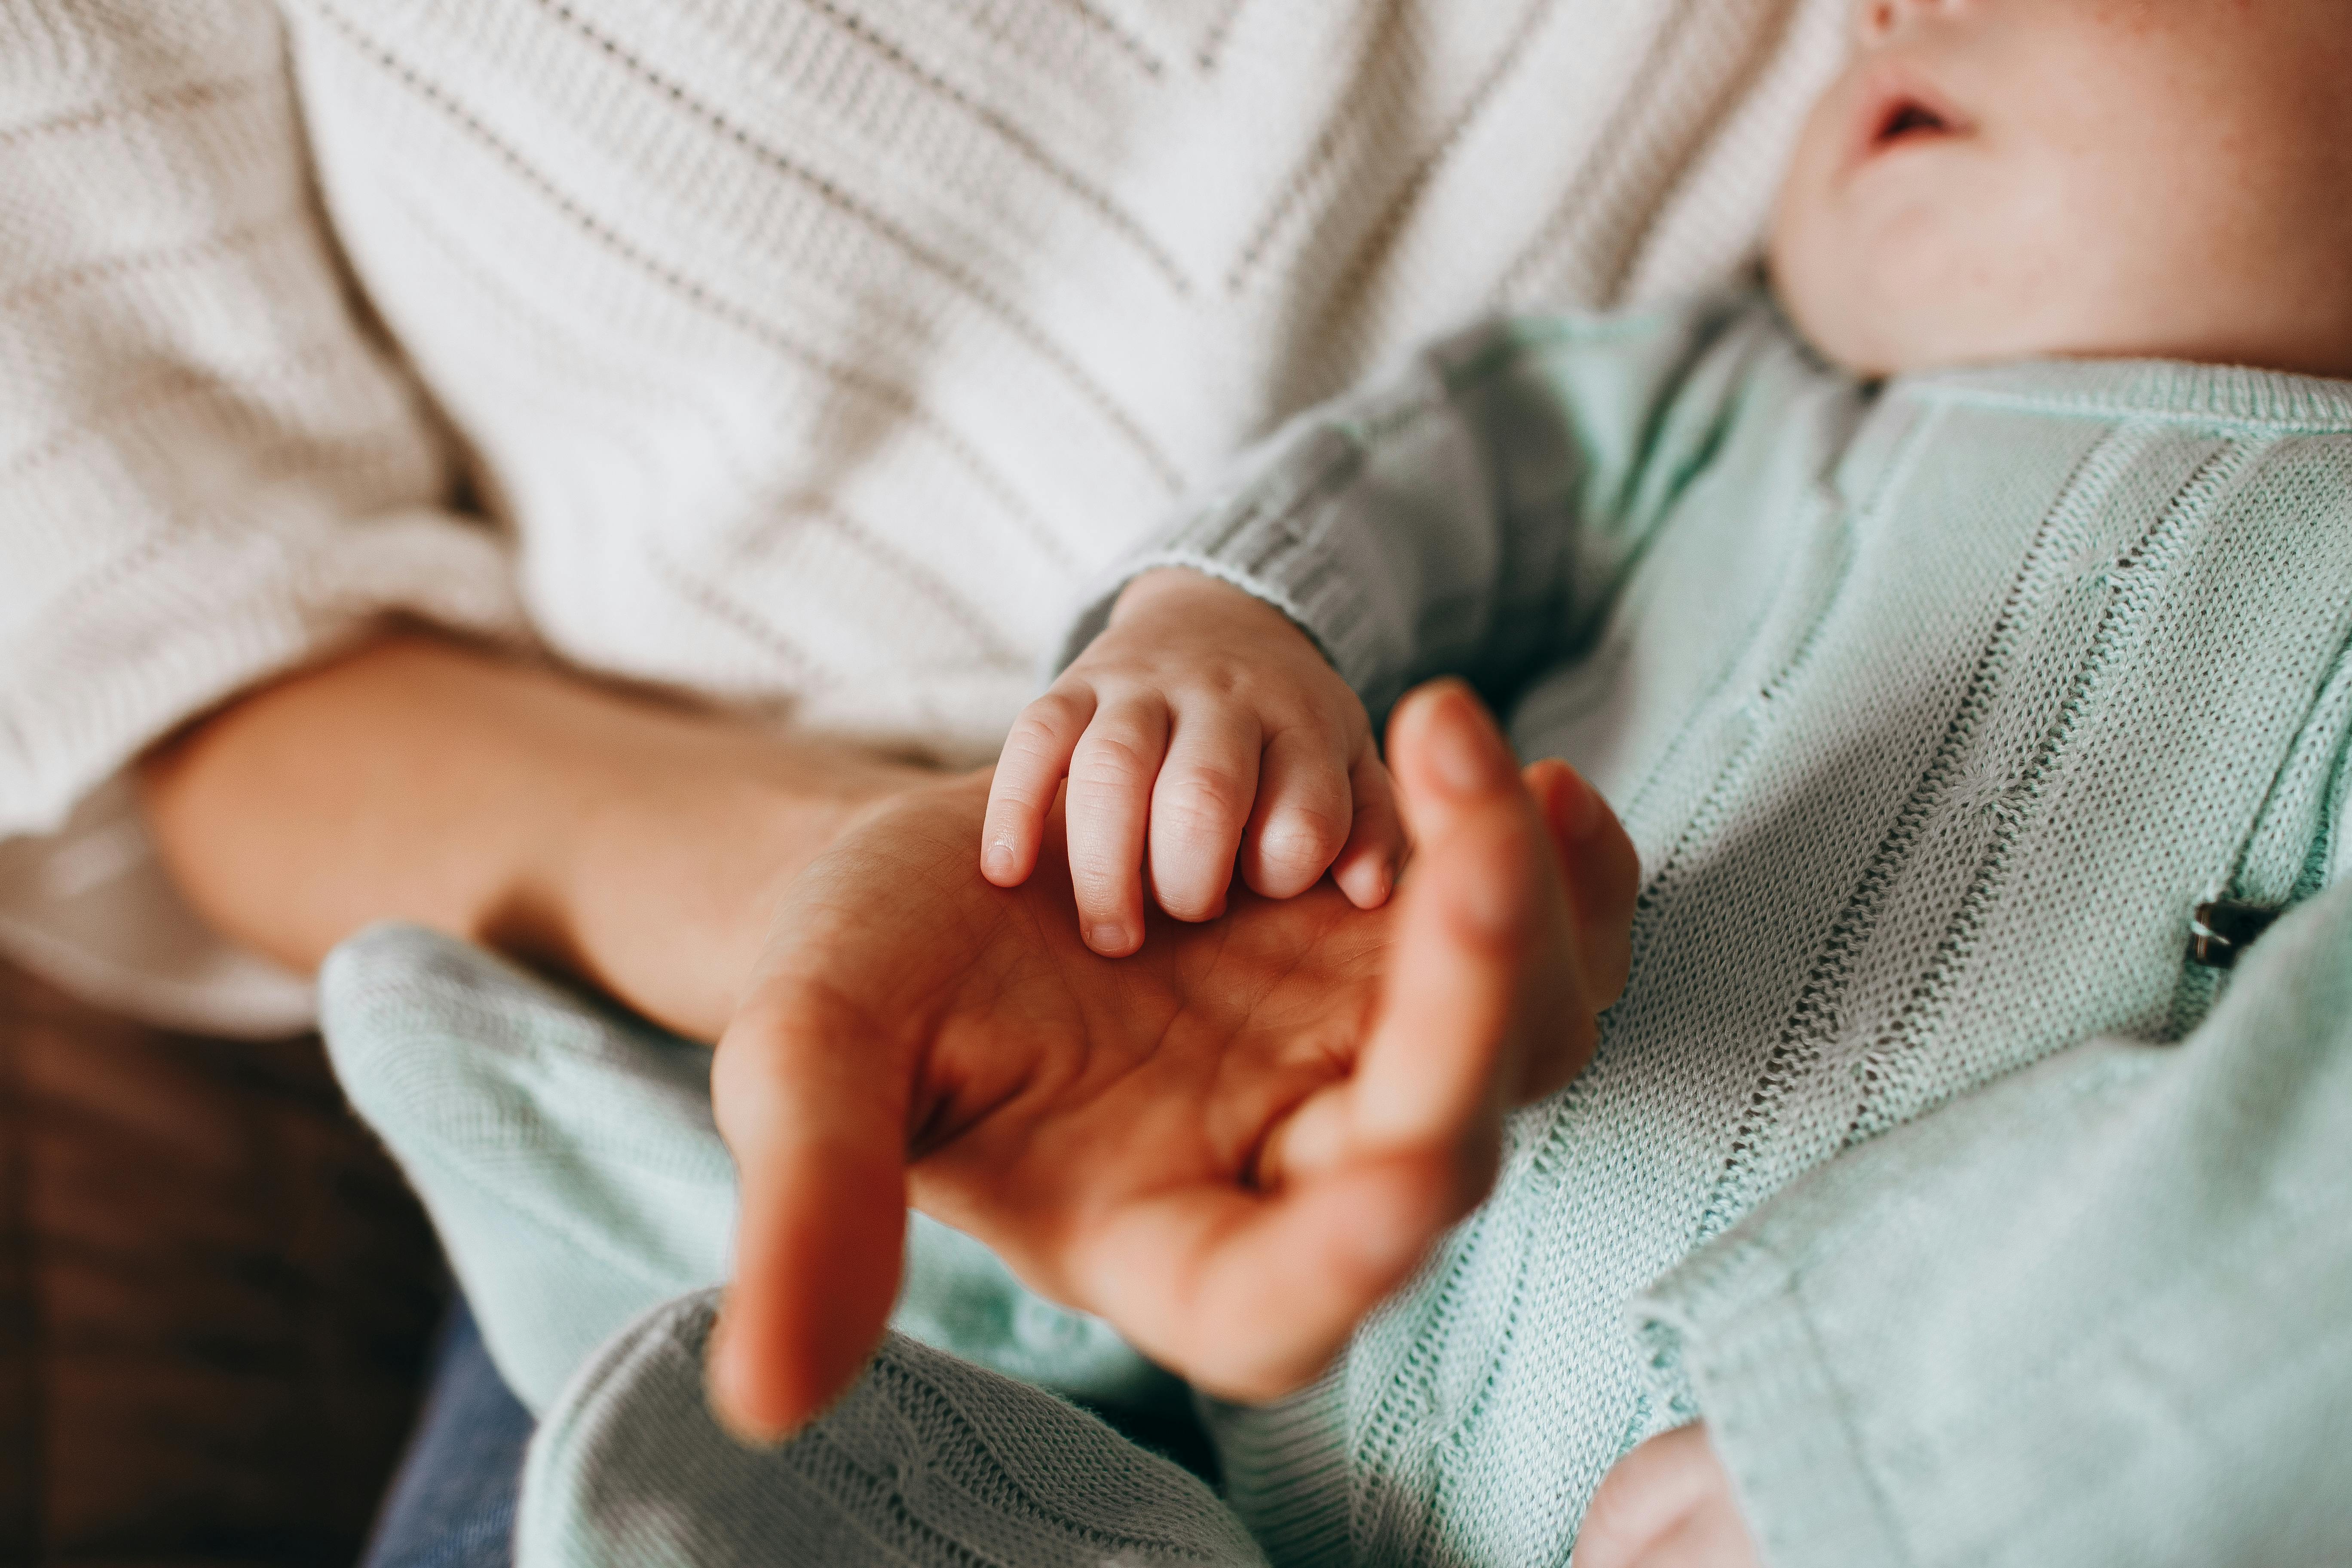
{"x":809,"y":355}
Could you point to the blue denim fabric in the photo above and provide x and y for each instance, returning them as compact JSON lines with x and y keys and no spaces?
{"x":453,"y":1503}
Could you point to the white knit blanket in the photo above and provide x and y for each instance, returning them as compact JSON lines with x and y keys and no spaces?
{"x":811,"y":357}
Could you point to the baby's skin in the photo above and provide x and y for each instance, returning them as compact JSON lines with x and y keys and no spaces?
{"x":1987,"y":180}
{"x":1201,"y":730}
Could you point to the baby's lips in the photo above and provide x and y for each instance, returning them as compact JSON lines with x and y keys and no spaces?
{"x":1895,"y":104}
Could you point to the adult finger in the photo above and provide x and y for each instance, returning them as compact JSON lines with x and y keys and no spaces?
{"x":1601,"y":869}
{"x":1600,"y":873}
{"x":1643,"y":1499}
{"x":1367,"y":869}
{"x":1111,"y":774}
{"x":1029,"y":772}
{"x":1303,"y":814}
{"x":1366,"y":1176}
{"x":818,"y":1134}
{"x":1199,"y":804}
{"x":1480,"y":975}
{"x":1549,"y":780}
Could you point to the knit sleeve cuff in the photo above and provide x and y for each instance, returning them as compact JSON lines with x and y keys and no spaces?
{"x":1263,"y":539}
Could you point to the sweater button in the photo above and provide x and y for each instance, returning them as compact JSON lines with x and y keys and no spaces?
{"x":2220,"y":931}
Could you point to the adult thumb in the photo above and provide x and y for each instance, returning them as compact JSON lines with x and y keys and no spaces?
{"x":817,"y":1127}
{"x":1473,"y":977}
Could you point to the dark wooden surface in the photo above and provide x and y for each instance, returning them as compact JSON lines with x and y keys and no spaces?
{"x":215,"y":1295}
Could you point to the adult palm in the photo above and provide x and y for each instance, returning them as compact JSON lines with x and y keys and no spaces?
{"x":1232,"y":1143}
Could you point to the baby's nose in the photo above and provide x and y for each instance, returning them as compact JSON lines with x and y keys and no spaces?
{"x":1879,"y":20}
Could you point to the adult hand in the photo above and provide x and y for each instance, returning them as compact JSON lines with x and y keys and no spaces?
{"x":1232,"y":1145}
{"x":1667,"y":1504}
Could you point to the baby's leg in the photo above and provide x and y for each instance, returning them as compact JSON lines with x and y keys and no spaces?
{"x":929,"y":1461}
{"x":566,"y":1151}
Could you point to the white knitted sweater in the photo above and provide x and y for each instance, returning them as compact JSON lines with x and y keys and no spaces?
{"x":808,"y":356}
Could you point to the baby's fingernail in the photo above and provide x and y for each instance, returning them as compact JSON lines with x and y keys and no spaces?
{"x":1109,"y":940}
{"x":1365,"y":884}
{"x":998,"y":861}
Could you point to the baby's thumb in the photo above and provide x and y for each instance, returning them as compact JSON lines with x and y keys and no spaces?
{"x":818,"y":1137}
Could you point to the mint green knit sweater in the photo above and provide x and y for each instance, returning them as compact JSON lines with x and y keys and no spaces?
{"x":1935,"y":709}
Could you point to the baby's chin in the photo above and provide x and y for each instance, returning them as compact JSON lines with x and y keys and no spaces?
{"x":1874,"y":334}
{"x":1859,"y":348}
{"x":1848,"y":317}
{"x":1878,"y":312}
{"x":1875,"y":341}
{"x":1821,"y":280}
{"x":1877,"y":305}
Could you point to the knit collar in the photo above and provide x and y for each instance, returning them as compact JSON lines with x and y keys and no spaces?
{"x":2124,"y":389}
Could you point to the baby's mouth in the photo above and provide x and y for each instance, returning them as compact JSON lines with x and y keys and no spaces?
{"x":1897,"y":111}
{"x":1908,"y":119}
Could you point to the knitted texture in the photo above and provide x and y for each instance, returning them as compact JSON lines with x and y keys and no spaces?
{"x":930,"y":1462}
{"x":1934,"y":714}
{"x":1934,"y":711}
{"x":2087,"y":1399}
{"x":811,"y":357}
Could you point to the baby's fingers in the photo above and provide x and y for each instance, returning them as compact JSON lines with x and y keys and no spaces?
{"x":1366,"y":868}
{"x":1199,"y":806}
{"x":1111,"y":775}
{"x":1303,"y":815}
{"x":1029,"y":770}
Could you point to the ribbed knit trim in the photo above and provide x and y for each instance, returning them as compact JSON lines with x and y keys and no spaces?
{"x":1286,"y":1471}
{"x":1315,"y":613}
{"x":2127,"y":389}
{"x":1263,"y":543}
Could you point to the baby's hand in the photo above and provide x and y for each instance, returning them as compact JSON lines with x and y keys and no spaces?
{"x":1201,"y":726}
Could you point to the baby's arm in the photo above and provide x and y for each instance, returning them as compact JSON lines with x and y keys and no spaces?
{"x":1200,"y":729}
{"x":1469,"y":514}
